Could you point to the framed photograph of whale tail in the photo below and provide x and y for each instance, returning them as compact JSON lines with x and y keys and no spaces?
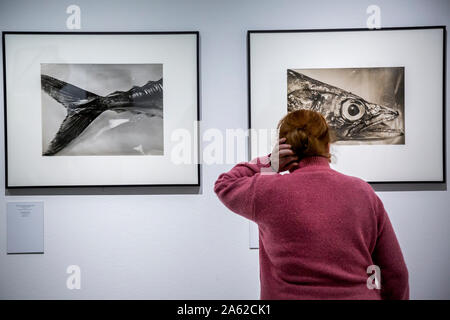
{"x":101,"y":109}
{"x":381,"y":91}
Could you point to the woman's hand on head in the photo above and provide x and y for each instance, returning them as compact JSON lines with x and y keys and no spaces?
{"x":282,"y":157}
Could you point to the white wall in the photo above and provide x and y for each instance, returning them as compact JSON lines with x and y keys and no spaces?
{"x":188,"y":245}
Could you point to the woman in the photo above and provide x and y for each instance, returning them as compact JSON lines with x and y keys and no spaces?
{"x":320,"y":230}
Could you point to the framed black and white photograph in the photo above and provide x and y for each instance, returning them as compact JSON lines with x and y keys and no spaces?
{"x":381,"y":92}
{"x":100,"y":109}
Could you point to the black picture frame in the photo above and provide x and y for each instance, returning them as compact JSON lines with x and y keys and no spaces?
{"x":117,"y":186}
{"x":444,"y":62}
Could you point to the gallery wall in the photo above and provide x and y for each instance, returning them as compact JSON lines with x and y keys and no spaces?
{"x":162,"y":243}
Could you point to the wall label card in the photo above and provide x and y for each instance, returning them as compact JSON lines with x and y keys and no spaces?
{"x":25,"y":227}
{"x":253,"y":235}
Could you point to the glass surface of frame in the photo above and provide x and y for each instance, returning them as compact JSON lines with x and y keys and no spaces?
{"x":381,"y":91}
{"x":100,"y":108}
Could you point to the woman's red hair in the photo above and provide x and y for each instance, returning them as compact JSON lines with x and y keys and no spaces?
{"x":307,"y":132}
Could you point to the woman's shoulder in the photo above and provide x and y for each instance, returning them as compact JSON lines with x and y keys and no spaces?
{"x":355,"y":182}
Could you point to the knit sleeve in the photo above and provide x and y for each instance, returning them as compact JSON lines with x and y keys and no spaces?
{"x":388,"y":256}
{"x":237,"y":187}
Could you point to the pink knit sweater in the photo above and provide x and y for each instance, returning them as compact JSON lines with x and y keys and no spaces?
{"x":319,"y":230}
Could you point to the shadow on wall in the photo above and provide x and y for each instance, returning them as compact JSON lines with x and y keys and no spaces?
{"x":160,"y":190}
{"x":144,"y":190}
{"x":410,"y":186}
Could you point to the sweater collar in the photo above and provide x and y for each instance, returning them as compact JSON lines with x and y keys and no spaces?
{"x":314,"y":161}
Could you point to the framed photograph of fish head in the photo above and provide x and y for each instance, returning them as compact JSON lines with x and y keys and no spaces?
{"x":100,"y":109}
{"x":381,"y":92}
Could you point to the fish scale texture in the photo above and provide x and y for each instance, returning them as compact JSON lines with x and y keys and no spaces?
{"x":319,"y":231}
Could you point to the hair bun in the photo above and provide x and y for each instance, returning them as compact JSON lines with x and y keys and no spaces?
{"x":299,"y":141}
{"x":307,"y":133}
{"x":304,"y":138}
